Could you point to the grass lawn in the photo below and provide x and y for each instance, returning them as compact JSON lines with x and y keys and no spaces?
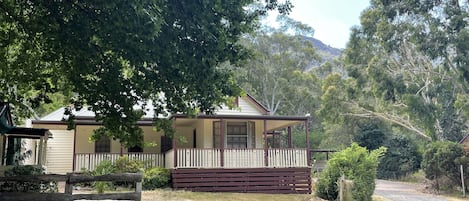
{"x":170,"y":195}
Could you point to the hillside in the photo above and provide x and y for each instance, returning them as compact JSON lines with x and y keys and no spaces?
{"x":327,"y":52}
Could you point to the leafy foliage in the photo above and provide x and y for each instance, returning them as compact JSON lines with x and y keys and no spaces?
{"x":401,"y":158}
{"x":156,"y":178}
{"x":407,"y":57}
{"x":356,"y":164}
{"x":112,"y":55}
{"x":442,"y":159}
{"x":371,"y":134}
{"x":105,"y":167}
{"x":124,"y":164}
{"x":276,"y":73}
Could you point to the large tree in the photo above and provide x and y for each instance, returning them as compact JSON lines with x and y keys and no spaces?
{"x":277,"y":74}
{"x":409,"y":60}
{"x":116,"y":54}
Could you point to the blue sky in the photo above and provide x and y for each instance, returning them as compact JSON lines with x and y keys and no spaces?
{"x":331,"y":19}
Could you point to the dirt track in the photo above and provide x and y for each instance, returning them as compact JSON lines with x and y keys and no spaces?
{"x":400,"y":191}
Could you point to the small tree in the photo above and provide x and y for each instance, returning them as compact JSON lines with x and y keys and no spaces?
{"x":401,"y":158}
{"x":355,"y":163}
{"x":442,"y":159}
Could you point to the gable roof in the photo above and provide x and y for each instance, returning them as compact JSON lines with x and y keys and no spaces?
{"x":247,"y":106}
{"x":258,"y":104}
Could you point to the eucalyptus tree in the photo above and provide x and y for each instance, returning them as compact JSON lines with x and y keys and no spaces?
{"x":409,"y":60}
{"x":115,"y":54}
{"x":276,"y":73}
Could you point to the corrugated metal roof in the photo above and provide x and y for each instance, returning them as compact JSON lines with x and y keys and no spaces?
{"x":84,"y":113}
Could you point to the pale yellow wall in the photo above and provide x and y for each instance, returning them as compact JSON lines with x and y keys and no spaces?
{"x":259,"y":134}
{"x":84,"y":133}
{"x":151,"y":136}
{"x":187,"y":140}
{"x":50,"y":126}
{"x":200,"y":128}
{"x":83,"y":143}
{"x":208,"y":133}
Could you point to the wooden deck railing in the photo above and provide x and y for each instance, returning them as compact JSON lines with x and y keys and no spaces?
{"x":198,"y":158}
{"x":89,"y":161}
{"x":242,"y":158}
{"x":287,"y":158}
{"x":238,"y":158}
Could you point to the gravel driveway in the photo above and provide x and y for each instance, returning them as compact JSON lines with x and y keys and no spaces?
{"x":400,"y":191}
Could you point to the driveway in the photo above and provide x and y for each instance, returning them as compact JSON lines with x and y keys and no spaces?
{"x":401,"y":191}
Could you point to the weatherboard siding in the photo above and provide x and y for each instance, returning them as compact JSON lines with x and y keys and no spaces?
{"x":245,"y":107}
{"x":60,"y":152}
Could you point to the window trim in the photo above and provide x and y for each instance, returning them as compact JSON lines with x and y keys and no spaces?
{"x":250,"y":133}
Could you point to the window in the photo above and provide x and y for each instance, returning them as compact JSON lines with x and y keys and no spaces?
{"x":236,"y":135}
{"x":239,"y":135}
{"x":103,"y":145}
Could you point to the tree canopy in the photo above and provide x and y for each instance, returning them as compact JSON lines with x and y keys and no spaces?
{"x":113,"y":55}
{"x":408,"y":59}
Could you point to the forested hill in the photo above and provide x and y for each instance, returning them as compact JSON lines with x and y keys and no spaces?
{"x":327,"y":52}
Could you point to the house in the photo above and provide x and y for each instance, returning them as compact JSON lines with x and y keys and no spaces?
{"x":226,"y":151}
{"x":20,"y":145}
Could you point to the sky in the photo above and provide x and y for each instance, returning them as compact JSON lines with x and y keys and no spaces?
{"x":331,"y":19}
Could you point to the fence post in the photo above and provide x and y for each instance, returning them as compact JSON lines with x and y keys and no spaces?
{"x":462,"y":182}
{"x":138,"y":190}
{"x":68,"y":186}
{"x":345,"y":189}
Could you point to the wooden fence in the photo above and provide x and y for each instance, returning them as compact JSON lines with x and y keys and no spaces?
{"x":71,"y":179}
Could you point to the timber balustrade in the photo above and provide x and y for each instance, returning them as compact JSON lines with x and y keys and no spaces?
{"x":204,"y":158}
{"x":89,"y":161}
{"x":238,"y":158}
{"x":70,"y":180}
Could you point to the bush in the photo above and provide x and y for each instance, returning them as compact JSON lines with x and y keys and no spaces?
{"x":156,"y":178}
{"x":42,"y":187}
{"x":401,"y":158}
{"x":105,"y":167}
{"x":356,"y":164}
{"x":124,"y":164}
{"x":442,"y":159}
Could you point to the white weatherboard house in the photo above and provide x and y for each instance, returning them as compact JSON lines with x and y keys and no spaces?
{"x":226,"y":151}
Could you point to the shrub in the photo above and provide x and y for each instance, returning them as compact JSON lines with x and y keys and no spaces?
{"x":124,"y":164}
{"x":356,"y":164}
{"x":442,"y":159}
{"x":401,"y":158}
{"x":42,"y":187}
{"x":156,"y":178}
{"x":105,"y":167}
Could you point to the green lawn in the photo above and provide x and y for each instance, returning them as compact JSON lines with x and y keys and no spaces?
{"x":170,"y":195}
